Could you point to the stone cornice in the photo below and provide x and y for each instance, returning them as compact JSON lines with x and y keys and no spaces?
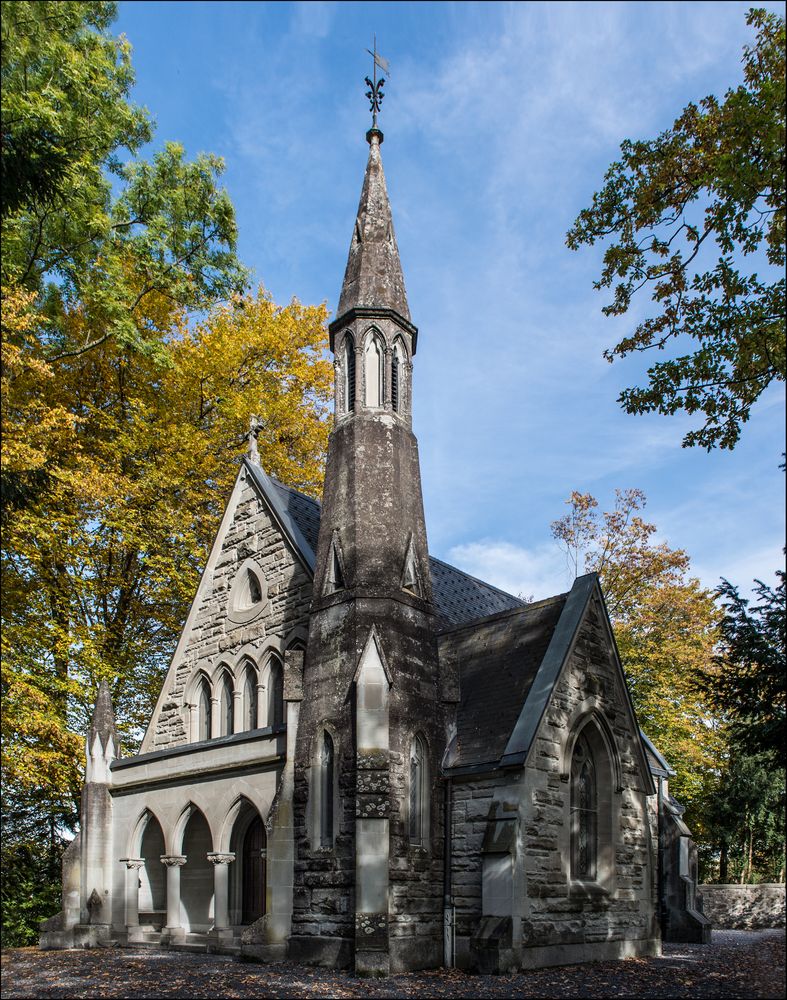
{"x":370,"y":312}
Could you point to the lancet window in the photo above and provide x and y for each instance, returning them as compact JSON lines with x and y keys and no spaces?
{"x":250,"y":698}
{"x":373,"y":371}
{"x":419,"y":794}
{"x":227,"y":726}
{"x":275,"y":694}
{"x":349,"y":373}
{"x":327,"y":765}
{"x":584,"y":812}
{"x":204,"y":710}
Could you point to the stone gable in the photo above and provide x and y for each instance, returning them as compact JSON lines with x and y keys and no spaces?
{"x":212,"y":636}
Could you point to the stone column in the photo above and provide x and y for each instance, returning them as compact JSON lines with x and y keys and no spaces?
{"x":132,"y":890}
{"x":174,"y":863}
{"x":215,"y":717}
{"x":372,"y":814}
{"x":238,"y":722}
{"x":221,"y":873}
{"x":360,"y":378}
{"x":262,"y":706}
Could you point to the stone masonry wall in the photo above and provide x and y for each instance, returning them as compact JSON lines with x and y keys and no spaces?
{"x":744,"y":907}
{"x":471,"y":800}
{"x":556,"y":911}
{"x":252,"y":533}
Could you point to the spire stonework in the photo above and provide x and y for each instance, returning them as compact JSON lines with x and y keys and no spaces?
{"x":371,"y":672}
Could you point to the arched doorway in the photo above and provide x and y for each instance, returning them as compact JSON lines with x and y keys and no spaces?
{"x":152,"y":876}
{"x":196,"y":876}
{"x":253,"y":864}
{"x":248,"y":873}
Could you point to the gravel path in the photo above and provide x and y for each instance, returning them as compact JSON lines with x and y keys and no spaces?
{"x":738,"y":964}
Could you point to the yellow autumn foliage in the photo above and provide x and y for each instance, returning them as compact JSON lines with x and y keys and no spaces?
{"x":116,"y":467}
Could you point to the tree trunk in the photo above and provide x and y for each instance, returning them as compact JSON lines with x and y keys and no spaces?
{"x":724,"y":863}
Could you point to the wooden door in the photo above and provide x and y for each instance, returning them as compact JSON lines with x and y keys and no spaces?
{"x":253,"y":889}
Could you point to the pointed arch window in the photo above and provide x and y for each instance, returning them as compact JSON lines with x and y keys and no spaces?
{"x":584,"y":812}
{"x":327,"y":765}
{"x":227,"y":727}
{"x":373,"y":371}
{"x":276,"y":694}
{"x":419,"y":794}
{"x":349,"y":373}
{"x":395,"y":380}
{"x":205,"y":710}
{"x":250,"y":698}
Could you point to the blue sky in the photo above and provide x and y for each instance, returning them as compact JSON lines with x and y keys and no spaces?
{"x":499,"y":121}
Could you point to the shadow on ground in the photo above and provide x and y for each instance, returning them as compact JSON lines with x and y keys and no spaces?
{"x":738,"y":964}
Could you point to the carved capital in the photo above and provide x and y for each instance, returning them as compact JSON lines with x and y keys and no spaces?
{"x":133,"y":862}
{"x":173,"y":860}
{"x":217,"y":858}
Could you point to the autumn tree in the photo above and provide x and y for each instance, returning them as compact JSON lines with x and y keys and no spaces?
{"x":696,"y":216}
{"x":86,"y":222}
{"x":99,"y":568}
{"x":132,"y":361}
{"x":665,"y":625}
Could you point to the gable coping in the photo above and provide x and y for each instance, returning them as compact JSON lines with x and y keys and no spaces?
{"x":289,"y":527}
{"x":560,"y":646}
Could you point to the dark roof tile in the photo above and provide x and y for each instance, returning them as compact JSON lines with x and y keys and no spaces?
{"x":459,"y":598}
{"x":498,"y":660}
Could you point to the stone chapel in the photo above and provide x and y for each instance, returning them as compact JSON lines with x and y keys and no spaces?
{"x":364,"y":757}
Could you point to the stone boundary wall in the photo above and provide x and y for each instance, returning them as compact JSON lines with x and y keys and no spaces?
{"x":744,"y":907}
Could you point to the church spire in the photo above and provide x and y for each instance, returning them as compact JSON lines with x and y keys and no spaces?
{"x":373,"y":279}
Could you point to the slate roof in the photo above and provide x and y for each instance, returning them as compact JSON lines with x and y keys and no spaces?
{"x":657,"y":764}
{"x":498,"y":660}
{"x":458,"y":597}
{"x":509,"y":653}
{"x":302,"y":509}
{"x":462,"y":598}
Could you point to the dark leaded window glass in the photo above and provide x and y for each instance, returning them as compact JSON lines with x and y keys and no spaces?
{"x":418,"y":804}
{"x":227,"y":706}
{"x":250,"y":698}
{"x":326,"y":791}
{"x":276,"y":695}
{"x":349,"y":354}
{"x":583,"y":812}
{"x":205,"y":711}
{"x":395,"y":381}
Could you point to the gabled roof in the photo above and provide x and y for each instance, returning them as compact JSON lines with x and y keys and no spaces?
{"x":656,"y":762}
{"x":458,"y":597}
{"x":509,"y":666}
{"x":499,"y":658}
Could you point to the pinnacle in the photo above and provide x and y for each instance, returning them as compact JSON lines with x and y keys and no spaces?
{"x":103,"y":722}
{"x":373,"y":278}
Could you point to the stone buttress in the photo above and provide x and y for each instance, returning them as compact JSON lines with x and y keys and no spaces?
{"x":368,"y":873}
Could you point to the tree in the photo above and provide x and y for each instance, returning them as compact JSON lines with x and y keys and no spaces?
{"x":99,"y":568}
{"x":665,"y":627}
{"x":717,"y":277}
{"x":85,"y":223}
{"x":740,"y":823}
{"x":749,"y":685}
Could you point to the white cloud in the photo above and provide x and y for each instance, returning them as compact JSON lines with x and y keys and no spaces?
{"x":538,"y":572}
{"x":313,"y":17}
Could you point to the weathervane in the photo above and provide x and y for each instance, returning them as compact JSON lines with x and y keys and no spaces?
{"x":375,"y":92}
